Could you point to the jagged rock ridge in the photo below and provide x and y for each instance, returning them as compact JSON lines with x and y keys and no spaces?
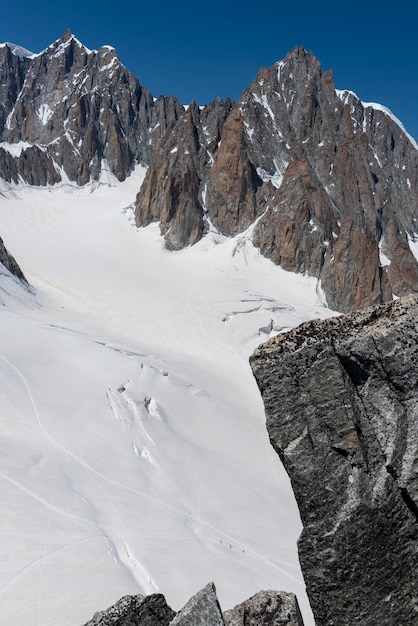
{"x":268,"y":608}
{"x":341,"y":400}
{"x":321,"y":183}
{"x":69,"y":113}
{"x":330,"y":184}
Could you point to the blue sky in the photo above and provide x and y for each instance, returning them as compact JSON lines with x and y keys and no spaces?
{"x":201,"y":50}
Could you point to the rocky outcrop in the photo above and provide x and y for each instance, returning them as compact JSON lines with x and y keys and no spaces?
{"x":201,"y":610}
{"x":10,"y":264}
{"x":137,"y":610}
{"x":266,"y":608}
{"x":200,"y":175}
{"x":331,"y":184}
{"x":269,"y":608}
{"x":71,"y":113}
{"x":341,"y":400}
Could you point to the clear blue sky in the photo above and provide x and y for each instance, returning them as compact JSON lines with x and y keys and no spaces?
{"x":198,"y":50}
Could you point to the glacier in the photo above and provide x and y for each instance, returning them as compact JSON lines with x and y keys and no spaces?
{"x":135,"y":457}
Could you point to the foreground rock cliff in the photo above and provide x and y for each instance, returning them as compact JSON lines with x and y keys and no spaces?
{"x":341,"y":399}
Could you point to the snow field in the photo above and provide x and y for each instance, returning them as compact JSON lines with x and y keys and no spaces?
{"x":134,"y":453}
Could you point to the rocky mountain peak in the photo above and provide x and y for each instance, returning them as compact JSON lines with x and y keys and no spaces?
{"x":65,"y":37}
{"x":18,"y":51}
{"x":67,"y":40}
{"x":69,"y":112}
{"x":299,"y":67}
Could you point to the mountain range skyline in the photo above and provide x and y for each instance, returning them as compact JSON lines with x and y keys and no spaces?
{"x":72,"y":114}
{"x":186,"y":54}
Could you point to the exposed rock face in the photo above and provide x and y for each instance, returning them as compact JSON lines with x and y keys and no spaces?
{"x":266,"y":608}
{"x":172,"y":192}
{"x":333,"y":183}
{"x":135,"y":611}
{"x":341,"y":399}
{"x":233,"y":181}
{"x":71,"y":112}
{"x":10,"y":264}
{"x":269,"y":608}
{"x":201,"y":610}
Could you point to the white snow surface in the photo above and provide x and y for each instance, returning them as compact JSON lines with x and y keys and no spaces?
{"x":344,"y":95}
{"x":134,"y":453}
{"x":15,"y":149}
{"x":413,"y":244}
{"x":388,"y":112}
{"x":44,"y":113}
{"x":383,"y":258}
{"x":18,"y":51}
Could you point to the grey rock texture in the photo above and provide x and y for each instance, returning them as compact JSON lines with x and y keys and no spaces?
{"x":72,"y":112}
{"x":172,"y":192}
{"x":341,"y":400}
{"x":332,"y":183}
{"x":266,"y":608}
{"x":201,"y":610}
{"x":135,"y":611}
{"x":10,"y":264}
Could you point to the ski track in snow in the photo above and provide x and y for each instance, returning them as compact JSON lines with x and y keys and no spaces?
{"x":129,"y":489}
{"x":135,"y":428}
{"x":43,"y":552}
{"x":32,"y":564}
{"x":49,"y":505}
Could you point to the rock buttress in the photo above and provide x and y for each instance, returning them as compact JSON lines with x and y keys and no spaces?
{"x":341,"y":400}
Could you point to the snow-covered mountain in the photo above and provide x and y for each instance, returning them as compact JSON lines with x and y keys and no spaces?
{"x":329,"y":183}
{"x":69,"y":113}
{"x":134,"y":451}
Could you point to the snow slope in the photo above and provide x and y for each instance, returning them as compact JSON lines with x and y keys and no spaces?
{"x":134,"y":456}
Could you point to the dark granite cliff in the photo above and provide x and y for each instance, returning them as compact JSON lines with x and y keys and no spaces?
{"x":341,"y":400}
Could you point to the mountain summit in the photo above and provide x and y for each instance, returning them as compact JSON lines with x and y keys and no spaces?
{"x":69,"y":112}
